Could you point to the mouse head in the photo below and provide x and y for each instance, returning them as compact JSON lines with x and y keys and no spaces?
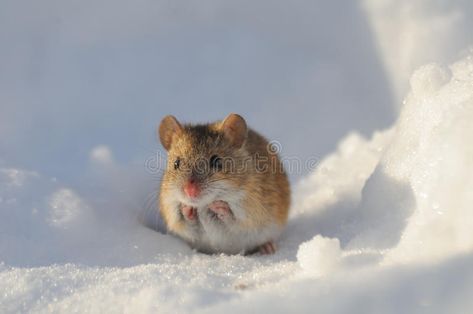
{"x":205,"y":161}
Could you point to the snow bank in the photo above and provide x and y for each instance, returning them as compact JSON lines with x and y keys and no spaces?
{"x":416,"y":204}
{"x":432,"y":151}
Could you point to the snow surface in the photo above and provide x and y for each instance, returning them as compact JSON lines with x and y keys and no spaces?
{"x":382,"y":225}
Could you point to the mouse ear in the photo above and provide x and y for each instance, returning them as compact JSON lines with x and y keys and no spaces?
{"x":168,"y":128}
{"x":234,"y":128}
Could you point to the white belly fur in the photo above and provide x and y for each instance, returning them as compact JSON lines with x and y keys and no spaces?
{"x":228,"y":236}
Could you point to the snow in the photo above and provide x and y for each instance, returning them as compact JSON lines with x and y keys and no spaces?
{"x":412,"y":33}
{"x":381,"y":225}
{"x":319,"y":256}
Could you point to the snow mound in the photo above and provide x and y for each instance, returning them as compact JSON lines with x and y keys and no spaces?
{"x":416,"y":203}
{"x":320,"y":256}
{"x":432,"y":151}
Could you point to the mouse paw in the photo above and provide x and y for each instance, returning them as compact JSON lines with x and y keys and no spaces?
{"x":267,"y":248}
{"x":221,"y":210}
{"x":189,"y":212}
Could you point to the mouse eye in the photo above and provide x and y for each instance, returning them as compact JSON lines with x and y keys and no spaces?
{"x":216,"y":162}
{"x":177,"y":163}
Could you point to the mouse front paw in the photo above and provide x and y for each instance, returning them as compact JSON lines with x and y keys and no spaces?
{"x":189,"y":212}
{"x":221,"y":210}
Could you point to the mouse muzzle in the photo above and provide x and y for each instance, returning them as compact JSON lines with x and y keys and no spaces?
{"x":192,"y":188}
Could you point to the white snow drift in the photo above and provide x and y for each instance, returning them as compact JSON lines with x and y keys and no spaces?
{"x":416,"y":204}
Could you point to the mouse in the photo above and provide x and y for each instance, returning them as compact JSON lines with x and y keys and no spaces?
{"x":224,"y":188}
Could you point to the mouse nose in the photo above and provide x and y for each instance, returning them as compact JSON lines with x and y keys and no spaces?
{"x":191,"y":188}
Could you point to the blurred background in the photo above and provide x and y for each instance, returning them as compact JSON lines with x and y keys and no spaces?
{"x":78,"y":74}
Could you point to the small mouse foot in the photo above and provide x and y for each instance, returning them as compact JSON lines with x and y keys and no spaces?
{"x":267,"y":248}
{"x":221,"y":209}
{"x":189,"y":212}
